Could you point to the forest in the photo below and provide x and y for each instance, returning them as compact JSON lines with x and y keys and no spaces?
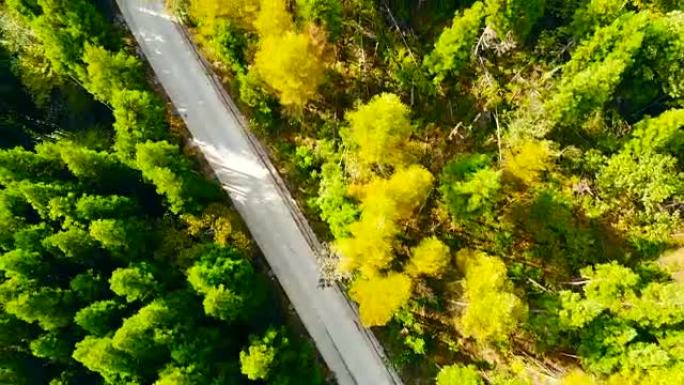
{"x":499,"y":182}
{"x":121,"y":262}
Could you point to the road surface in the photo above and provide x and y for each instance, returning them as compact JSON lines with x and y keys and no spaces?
{"x":284,"y":237}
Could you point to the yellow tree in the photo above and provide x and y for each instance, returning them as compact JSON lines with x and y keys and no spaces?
{"x":493,"y":311}
{"x":207,"y":12}
{"x":369,"y":249}
{"x":378,"y":133}
{"x":431,"y":257}
{"x":384,"y":203}
{"x":291,"y":65}
{"x":527,"y":160}
{"x":273,"y":19}
{"x":380,"y":297}
{"x":578,"y":377}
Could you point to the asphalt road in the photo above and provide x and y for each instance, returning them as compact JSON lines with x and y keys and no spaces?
{"x":285,"y":239}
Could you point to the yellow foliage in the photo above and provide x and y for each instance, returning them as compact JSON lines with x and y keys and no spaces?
{"x":291,"y":65}
{"x":378,"y":132}
{"x":379,"y":297}
{"x":214,"y":220}
{"x":430,"y":257}
{"x":527,"y":159}
{"x":482,"y":272}
{"x":407,"y":188}
{"x":578,"y":377}
{"x":493,"y":311}
{"x":273,"y":19}
{"x":206,"y":12}
{"x":369,"y":248}
{"x":384,"y":202}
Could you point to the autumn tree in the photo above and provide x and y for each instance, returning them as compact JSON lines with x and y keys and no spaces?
{"x":384,"y":204}
{"x":209,"y":12}
{"x":378,"y":134}
{"x":430,"y":258}
{"x":527,"y":160}
{"x":291,"y":65}
{"x":273,"y":20}
{"x":458,"y":374}
{"x":493,"y":311}
{"x":380,"y":297}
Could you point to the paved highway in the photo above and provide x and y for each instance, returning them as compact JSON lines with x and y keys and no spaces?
{"x":285,"y":239}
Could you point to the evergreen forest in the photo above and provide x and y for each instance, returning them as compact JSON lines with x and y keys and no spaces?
{"x":121,"y":262}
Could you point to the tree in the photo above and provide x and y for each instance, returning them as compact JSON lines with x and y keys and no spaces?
{"x":122,"y":238}
{"x":335,"y":208}
{"x":256,"y":361}
{"x":578,"y":377}
{"x":21,"y":262}
{"x":63,"y":28}
{"x":135,"y":283}
{"x":138,"y":117}
{"x":664,"y":132}
{"x":623,"y":321}
{"x":595,"y":14}
{"x":173,"y":375}
{"x":49,"y":307}
{"x":470,"y":187}
{"x":328,"y":13}
{"x":99,"y":355}
{"x":92,"y":207}
{"x":291,"y":65}
{"x":208,"y":12}
{"x":99,"y":318}
{"x":516,"y":16}
{"x":384,"y":203}
{"x":380,"y":297}
{"x":184,"y":189}
{"x":109,"y":73}
{"x":378,"y":134}
{"x":453,"y":49}
{"x":18,"y":164}
{"x":635,"y":186}
{"x":227,"y":281}
{"x":493,"y":311}
{"x":73,"y":243}
{"x":596,"y":69}
{"x":143,"y":333}
{"x":527,"y":160}
{"x":51,"y":346}
{"x":458,"y":374}
{"x":431,"y":257}
{"x":274,"y":20}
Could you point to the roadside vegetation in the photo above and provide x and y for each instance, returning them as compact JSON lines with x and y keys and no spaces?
{"x":500,"y":183}
{"x":120,"y":263}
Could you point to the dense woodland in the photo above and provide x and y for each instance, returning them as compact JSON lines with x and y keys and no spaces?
{"x":120,"y":263}
{"x":500,"y":182}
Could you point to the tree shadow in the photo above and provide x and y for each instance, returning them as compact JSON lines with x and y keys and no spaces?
{"x":557,"y":234}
